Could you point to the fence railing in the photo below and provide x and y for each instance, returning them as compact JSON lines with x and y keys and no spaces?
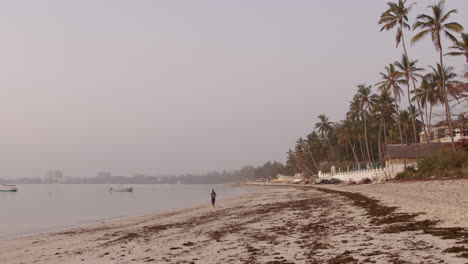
{"x":350,"y":172}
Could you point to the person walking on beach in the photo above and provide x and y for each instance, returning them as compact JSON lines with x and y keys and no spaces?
{"x":213,"y":197}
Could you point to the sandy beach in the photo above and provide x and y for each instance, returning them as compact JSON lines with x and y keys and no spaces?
{"x":417,"y":222}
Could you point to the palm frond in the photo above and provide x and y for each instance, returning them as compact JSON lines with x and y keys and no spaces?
{"x":419,"y":36}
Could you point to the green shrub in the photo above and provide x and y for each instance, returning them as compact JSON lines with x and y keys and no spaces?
{"x":443,"y":161}
{"x":404,"y":175}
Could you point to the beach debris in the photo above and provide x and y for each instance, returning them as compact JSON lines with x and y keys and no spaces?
{"x":175,"y":248}
{"x":365,"y":181}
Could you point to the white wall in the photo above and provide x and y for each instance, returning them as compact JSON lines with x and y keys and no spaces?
{"x":373,"y":174}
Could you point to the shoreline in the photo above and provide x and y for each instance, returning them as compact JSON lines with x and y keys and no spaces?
{"x":90,"y":223}
{"x":286,"y":224}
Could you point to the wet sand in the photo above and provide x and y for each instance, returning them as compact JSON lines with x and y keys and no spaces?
{"x":272,"y":224}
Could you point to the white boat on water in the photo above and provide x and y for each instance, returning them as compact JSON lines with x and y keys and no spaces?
{"x":8,"y":188}
{"x":121,"y":189}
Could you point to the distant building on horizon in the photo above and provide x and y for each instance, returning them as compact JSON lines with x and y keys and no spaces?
{"x":55,"y":176}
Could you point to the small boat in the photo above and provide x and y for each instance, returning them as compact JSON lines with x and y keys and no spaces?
{"x":8,"y":188}
{"x":121,"y":189}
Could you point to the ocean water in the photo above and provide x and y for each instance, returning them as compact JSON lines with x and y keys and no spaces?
{"x":47,"y":207}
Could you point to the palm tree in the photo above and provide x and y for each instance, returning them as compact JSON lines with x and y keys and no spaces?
{"x":446,"y":78}
{"x":363,"y":96}
{"x":409,"y":70}
{"x":435,"y":25}
{"x":391,"y":81}
{"x":291,"y":162}
{"x":344,"y":134}
{"x":397,"y":16}
{"x":325,"y":128}
{"x":462,"y":49}
{"x":355,"y":115}
{"x":384,"y":106}
{"x":461,"y":46}
{"x":301,"y":157}
{"x":313,"y":145}
{"x":428,"y":96}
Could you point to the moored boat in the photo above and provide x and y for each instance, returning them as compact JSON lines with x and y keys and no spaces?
{"x":8,"y":188}
{"x":121,"y":189}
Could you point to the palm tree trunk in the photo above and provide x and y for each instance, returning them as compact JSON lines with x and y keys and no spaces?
{"x":447,"y":106}
{"x":379,"y":143}
{"x":361,"y":146}
{"x":401,"y":134}
{"x":313,"y":160}
{"x":430,"y":116}
{"x":384,"y":132}
{"x":371,"y":152}
{"x":414,"y":87}
{"x":427,"y":118}
{"x":415,"y":139}
{"x":365,"y":139}
{"x":354,"y":152}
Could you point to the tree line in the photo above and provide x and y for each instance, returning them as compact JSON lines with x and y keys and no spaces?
{"x":375,"y":117}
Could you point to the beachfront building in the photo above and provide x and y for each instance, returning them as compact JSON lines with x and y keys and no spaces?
{"x":398,"y":156}
{"x":441,"y":134}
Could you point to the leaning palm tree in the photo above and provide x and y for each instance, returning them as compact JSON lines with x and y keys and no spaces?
{"x":435,"y":25}
{"x":391,"y":81}
{"x":410,"y":71}
{"x":397,"y":16}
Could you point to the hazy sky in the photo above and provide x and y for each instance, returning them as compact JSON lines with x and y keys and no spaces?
{"x":181,"y":86}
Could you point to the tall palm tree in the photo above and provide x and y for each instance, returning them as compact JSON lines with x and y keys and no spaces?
{"x":325,"y":128}
{"x":344,"y":134}
{"x":428,"y":96}
{"x":384,"y":106}
{"x":355,"y":115}
{"x":364,"y":97}
{"x":391,"y":81}
{"x":410,"y":71}
{"x":435,"y":25}
{"x":397,"y":16}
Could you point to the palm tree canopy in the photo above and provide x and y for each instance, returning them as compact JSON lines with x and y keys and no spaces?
{"x":324,"y":126}
{"x":428,"y":92}
{"x":363,"y":96}
{"x":408,"y":68}
{"x":435,"y":24}
{"x":391,"y":81}
{"x":396,"y":15}
{"x":451,"y":83}
{"x":461,"y":46}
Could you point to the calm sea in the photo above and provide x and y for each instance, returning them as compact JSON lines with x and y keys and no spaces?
{"x":47,"y":207}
